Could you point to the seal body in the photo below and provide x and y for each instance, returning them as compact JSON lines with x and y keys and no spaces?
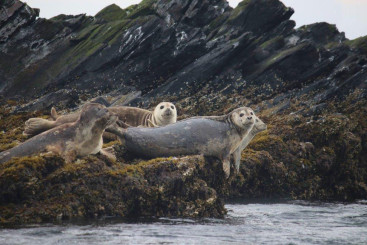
{"x":164,"y":113}
{"x":70,"y":140}
{"x":188,"y":137}
{"x":208,"y":136}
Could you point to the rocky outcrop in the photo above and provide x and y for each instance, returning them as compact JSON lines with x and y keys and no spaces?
{"x":45,"y":189}
{"x":308,"y":84}
{"x":164,"y":48}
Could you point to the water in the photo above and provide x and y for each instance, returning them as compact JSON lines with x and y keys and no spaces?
{"x":256,"y":223}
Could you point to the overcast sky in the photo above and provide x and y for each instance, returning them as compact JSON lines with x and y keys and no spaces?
{"x":350,"y":16}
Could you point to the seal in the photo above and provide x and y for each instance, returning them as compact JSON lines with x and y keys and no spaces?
{"x":164,"y":113}
{"x":258,"y":127}
{"x":209,"y":136}
{"x":69,"y":140}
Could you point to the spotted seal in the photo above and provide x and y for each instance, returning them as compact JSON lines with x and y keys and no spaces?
{"x":259,"y":126}
{"x":164,"y":113}
{"x":209,"y":136}
{"x":80,"y":138}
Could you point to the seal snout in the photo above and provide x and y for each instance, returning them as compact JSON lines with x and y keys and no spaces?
{"x":168,"y":112}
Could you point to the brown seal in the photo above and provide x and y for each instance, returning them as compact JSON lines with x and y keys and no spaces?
{"x":163,"y":114}
{"x":209,"y":136}
{"x":70,"y":140}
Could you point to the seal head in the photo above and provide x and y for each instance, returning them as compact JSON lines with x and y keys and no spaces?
{"x":164,"y":113}
{"x":97,"y":115}
{"x":258,"y":127}
{"x":243,"y":119}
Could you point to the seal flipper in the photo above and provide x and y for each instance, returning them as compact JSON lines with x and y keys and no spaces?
{"x":237,"y":158}
{"x":227,"y":168}
{"x":152,"y":124}
{"x":226,"y":163}
{"x":114,"y":129}
{"x":109,"y":152}
{"x":34,"y":126}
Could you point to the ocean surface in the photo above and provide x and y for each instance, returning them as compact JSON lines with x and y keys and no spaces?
{"x":293,"y":222}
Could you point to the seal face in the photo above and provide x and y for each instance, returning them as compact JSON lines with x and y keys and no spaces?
{"x":70,"y":140}
{"x":209,"y":136}
{"x":258,"y":127}
{"x":164,"y":113}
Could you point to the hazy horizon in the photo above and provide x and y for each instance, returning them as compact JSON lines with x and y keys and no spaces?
{"x":348,"y":15}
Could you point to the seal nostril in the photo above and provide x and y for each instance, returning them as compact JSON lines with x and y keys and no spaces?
{"x":249,"y":118}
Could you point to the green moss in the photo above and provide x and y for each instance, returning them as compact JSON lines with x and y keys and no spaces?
{"x":264,"y":141}
{"x":59,"y":17}
{"x":251,"y":155}
{"x":11,"y":128}
{"x":111,"y":143}
{"x":217,"y":22}
{"x":239,"y":9}
{"x":111,"y":13}
{"x":272,"y":42}
{"x":137,"y":169}
{"x":359,"y":43}
{"x":331,"y":45}
{"x":326,"y":26}
{"x":144,"y":8}
{"x":92,"y":40}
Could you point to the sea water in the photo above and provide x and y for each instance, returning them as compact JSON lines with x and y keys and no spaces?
{"x":293,"y":222}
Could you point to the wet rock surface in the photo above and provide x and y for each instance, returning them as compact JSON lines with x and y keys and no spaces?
{"x":308,"y":84}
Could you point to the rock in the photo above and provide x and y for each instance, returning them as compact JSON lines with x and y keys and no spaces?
{"x":308,"y":84}
{"x":321,"y":33}
{"x":91,"y":187}
{"x":65,"y":98}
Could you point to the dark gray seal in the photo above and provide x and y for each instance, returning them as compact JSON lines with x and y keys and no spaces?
{"x":209,"y":136}
{"x":70,"y":140}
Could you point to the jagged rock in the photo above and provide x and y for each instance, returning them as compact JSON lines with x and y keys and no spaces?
{"x":168,"y":47}
{"x":94,"y":187}
{"x":308,"y":85}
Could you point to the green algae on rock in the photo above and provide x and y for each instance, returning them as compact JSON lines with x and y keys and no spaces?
{"x":45,"y":189}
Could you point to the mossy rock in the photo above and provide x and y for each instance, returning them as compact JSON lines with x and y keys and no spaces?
{"x":111,"y":13}
{"x":239,"y":9}
{"x":45,"y":189}
{"x":359,"y":44}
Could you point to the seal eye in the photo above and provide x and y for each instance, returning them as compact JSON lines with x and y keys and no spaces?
{"x":162,"y":107}
{"x":241,"y":115}
{"x":172,"y":107}
{"x":252,"y":113}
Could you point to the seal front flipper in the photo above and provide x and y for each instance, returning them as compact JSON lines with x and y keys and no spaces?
{"x":152,"y":124}
{"x":69,"y":156}
{"x":237,"y":158}
{"x":109,"y":152}
{"x":114,"y":129}
{"x":226,"y":162}
{"x":34,"y":126}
